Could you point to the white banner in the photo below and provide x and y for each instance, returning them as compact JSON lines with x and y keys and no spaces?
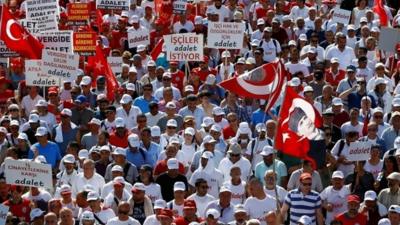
{"x":341,"y":16}
{"x":60,"y":65}
{"x":3,"y":214}
{"x":6,"y":52}
{"x":28,"y":173}
{"x":45,"y":24}
{"x":37,"y":9}
{"x":179,"y":6}
{"x":35,"y":76}
{"x":115,"y":64}
{"x":223,"y":35}
{"x":136,"y":38}
{"x":184,"y":47}
{"x":388,"y":38}
{"x":30,"y":25}
{"x":112,"y":4}
{"x":57,"y":41}
{"x":359,"y":151}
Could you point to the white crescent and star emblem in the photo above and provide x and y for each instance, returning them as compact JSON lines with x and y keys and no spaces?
{"x":8,"y":30}
{"x":98,"y":66}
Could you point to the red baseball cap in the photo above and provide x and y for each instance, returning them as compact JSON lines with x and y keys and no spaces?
{"x":305,"y":176}
{"x":353,"y":198}
{"x":189,"y":204}
{"x":166,"y":213}
{"x":398,"y":46}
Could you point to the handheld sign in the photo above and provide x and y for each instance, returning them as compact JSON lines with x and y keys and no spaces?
{"x":137,"y":38}
{"x":341,"y":16}
{"x":28,"y":173}
{"x":59,"y":64}
{"x":112,"y":4}
{"x":184,"y":47}
{"x":78,"y":13}
{"x":179,"y":6}
{"x":388,"y":38}
{"x":359,"y":151}
{"x":3,"y":214}
{"x":6,"y":52}
{"x":115,"y":64}
{"x":223,"y":35}
{"x":85,"y":43}
{"x":37,"y":9}
{"x":35,"y":76}
{"x":57,"y":41}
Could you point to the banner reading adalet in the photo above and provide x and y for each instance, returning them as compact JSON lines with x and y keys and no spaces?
{"x":112,"y":4}
{"x":35,"y":76}
{"x":341,"y":16}
{"x":28,"y":173}
{"x":184,"y":47}
{"x":136,"y":38}
{"x":224,"y":35}
{"x":115,"y":64}
{"x":359,"y":151}
{"x":59,"y":64}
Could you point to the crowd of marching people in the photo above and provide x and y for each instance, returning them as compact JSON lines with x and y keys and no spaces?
{"x":174,"y":147}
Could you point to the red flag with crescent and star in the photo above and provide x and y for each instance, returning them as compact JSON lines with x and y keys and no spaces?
{"x":99,"y":66}
{"x":299,"y":124}
{"x":380,"y":10}
{"x":264,"y":82}
{"x":17,"y":38}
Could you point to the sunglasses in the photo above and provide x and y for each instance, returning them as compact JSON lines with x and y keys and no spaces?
{"x":234,"y":155}
{"x":171,"y":127}
{"x":123,"y":212}
{"x":142,"y":121}
{"x":13,"y":110}
{"x":306,"y":184}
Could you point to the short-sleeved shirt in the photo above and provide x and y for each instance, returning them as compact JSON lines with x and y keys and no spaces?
{"x":360,"y":219}
{"x":301,"y":204}
{"x":50,"y":151}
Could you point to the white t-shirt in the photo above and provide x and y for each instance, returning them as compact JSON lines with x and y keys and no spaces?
{"x":374,"y":169}
{"x":116,"y":221}
{"x":226,"y":165}
{"x":281,"y":193}
{"x":238,"y":192}
{"x":187,"y":26}
{"x":151,"y":220}
{"x":298,"y":67}
{"x":201,"y":202}
{"x":107,"y":188}
{"x":153,"y":191}
{"x":29,"y":104}
{"x":258,"y":208}
{"x":346,"y":169}
{"x":223,"y":12}
{"x":97,"y":181}
{"x":345,"y":57}
{"x":258,"y":147}
{"x":271,"y":49}
{"x":106,"y":215}
{"x":338,"y":199}
{"x":296,"y":12}
{"x":347,"y":126}
{"x":214,"y":181}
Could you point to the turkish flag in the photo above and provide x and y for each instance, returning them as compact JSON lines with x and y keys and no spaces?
{"x":264,"y":82}
{"x":100,"y":67}
{"x":17,"y":38}
{"x":299,"y":123}
{"x":380,"y":10}
{"x":157,"y":49}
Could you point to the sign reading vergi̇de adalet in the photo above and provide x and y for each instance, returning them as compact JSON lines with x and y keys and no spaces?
{"x":112,"y":4}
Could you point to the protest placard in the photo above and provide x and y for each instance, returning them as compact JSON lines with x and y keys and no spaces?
{"x":223,"y":35}
{"x":115,"y":64}
{"x":78,"y":13}
{"x":35,"y":76}
{"x":37,"y":9}
{"x":184,"y":47}
{"x":388,"y":38}
{"x":341,"y":16}
{"x":58,"y":41}
{"x":60,"y":64}
{"x":3,"y":214}
{"x":179,"y":6}
{"x":136,"y":38}
{"x":359,"y":151}
{"x":112,"y":4}
{"x":6,"y":52}
{"x":28,"y":173}
{"x":30,"y":25}
{"x":85,"y":43}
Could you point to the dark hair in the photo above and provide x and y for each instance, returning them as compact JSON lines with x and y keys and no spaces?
{"x":74,"y":144}
{"x":199,"y":182}
{"x":336,"y":222}
{"x":149,"y":85}
{"x":106,"y":134}
{"x":393,"y":160}
{"x":141,"y":116}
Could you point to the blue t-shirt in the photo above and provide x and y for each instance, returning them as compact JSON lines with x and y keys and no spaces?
{"x":51,"y":152}
{"x":143,"y":104}
{"x":259,"y":116}
{"x":138,"y":158}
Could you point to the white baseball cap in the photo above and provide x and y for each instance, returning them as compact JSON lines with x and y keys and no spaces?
{"x":133,"y":140}
{"x":69,"y":158}
{"x":294,"y":82}
{"x":86,"y":80}
{"x":216,"y":128}
{"x":93,"y":196}
{"x":213,"y":212}
{"x":160,"y":204}
{"x":41,"y":131}
{"x":87,"y":215}
{"x":64,"y":112}
{"x":35,"y":213}
{"x":190,"y":131}
{"x":83,"y":154}
{"x":370,"y":196}
{"x":21,"y":136}
{"x":210,"y":80}
{"x":338,"y":174}
{"x":34,"y":118}
{"x":179,"y":186}
{"x":155,"y":131}
{"x":117,"y":168}
{"x":42,"y":103}
{"x":337,"y":101}
{"x":218,"y":111}
{"x":172,"y":123}
{"x":207,"y":121}
{"x":172,"y":164}
{"x":119,"y":122}
{"x":119,"y":151}
{"x":126,"y":99}
{"x":95,"y":121}
{"x":267,"y":150}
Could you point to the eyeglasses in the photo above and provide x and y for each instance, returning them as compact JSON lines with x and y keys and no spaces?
{"x":171,"y":128}
{"x":378,"y":117}
{"x":306,"y":184}
{"x":142,"y":121}
{"x":234,"y":155}
{"x":13,"y":110}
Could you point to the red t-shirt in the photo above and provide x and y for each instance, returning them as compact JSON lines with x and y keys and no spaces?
{"x":182,"y":221}
{"x":228,"y":132}
{"x":162,"y":167}
{"x":203,"y":74}
{"x":118,"y":38}
{"x":21,"y":209}
{"x":334,"y":81}
{"x":360,"y":219}
{"x":119,"y":141}
{"x":177,"y":79}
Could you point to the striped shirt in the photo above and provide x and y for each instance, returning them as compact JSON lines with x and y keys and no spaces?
{"x":301,"y":204}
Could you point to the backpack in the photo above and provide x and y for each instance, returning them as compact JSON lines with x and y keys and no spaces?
{"x":341,"y":146}
{"x":275,"y":44}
